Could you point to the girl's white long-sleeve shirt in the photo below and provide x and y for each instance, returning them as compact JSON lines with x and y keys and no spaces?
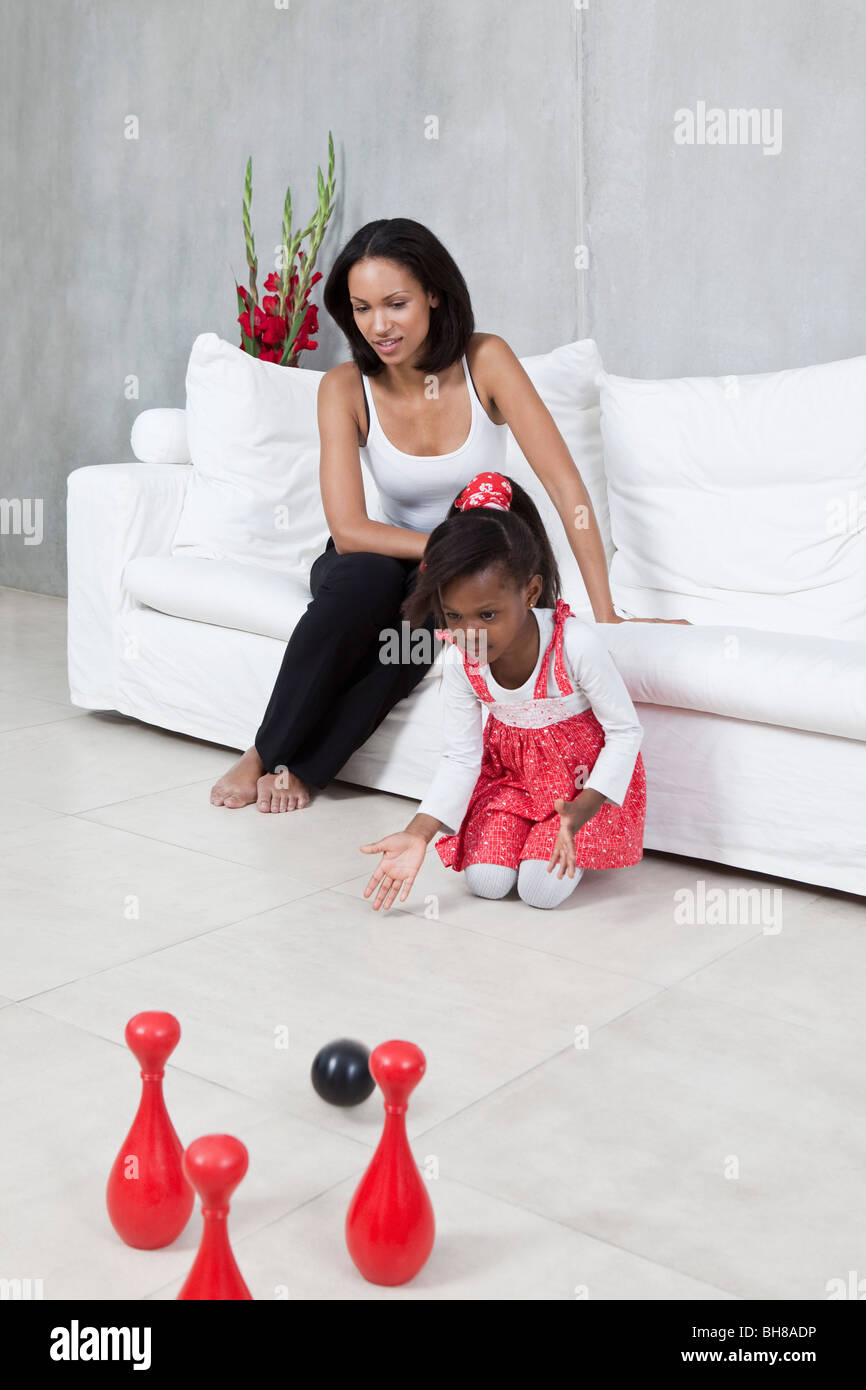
{"x":597,"y":685}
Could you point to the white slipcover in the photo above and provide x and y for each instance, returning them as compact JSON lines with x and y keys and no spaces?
{"x":755,"y":740}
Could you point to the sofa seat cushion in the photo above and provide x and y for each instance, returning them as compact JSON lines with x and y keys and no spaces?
{"x":796,"y":682}
{"x":250,"y":598}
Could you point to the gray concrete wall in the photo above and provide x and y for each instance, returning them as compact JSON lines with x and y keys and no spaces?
{"x":719,"y":258}
{"x":556,"y":127}
{"x":116,"y":253}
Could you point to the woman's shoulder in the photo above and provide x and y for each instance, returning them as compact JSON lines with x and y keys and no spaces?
{"x":343,"y":387}
{"x":486,"y":345}
{"x":342,"y":381}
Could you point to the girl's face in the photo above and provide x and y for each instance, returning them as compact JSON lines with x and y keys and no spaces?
{"x":487,"y":614}
{"x":389,"y":303}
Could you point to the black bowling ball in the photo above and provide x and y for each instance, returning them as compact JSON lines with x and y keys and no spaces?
{"x":340,"y":1073}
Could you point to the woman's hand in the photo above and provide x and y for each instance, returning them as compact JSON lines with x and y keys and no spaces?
{"x":402,"y":857}
{"x":617,"y":619}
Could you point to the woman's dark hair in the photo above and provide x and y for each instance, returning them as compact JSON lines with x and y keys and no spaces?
{"x":467,"y":542}
{"x":414,"y":246}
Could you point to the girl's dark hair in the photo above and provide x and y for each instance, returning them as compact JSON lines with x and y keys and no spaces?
{"x":414,"y":246}
{"x":468,"y":542}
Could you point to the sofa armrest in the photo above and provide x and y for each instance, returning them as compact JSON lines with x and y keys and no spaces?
{"x":114,"y":512}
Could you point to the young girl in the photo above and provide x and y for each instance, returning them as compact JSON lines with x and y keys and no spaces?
{"x":555,"y":784}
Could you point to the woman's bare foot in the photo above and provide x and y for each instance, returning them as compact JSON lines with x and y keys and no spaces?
{"x":282,"y":791}
{"x":238,"y":786}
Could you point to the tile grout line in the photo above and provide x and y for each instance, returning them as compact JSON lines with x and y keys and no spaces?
{"x":157,"y":950}
{"x":156,"y":839}
{"x":590,"y":1235}
{"x":41,"y":724}
{"x":559,"y":955}
{"x":545,"y":1217}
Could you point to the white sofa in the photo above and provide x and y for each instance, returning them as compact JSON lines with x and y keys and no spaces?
{"x":755,"y":737}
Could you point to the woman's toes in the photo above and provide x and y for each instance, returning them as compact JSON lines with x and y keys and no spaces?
{"x":275,"y":796}
{"x":219,"y":791}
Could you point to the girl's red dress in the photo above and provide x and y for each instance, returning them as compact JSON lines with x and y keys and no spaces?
{"x":533,"y":752}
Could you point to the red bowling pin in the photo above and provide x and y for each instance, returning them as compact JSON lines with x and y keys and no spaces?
{"x":215,"y":1165}
{"x":389,"y":1225}
{"x":149,"y":1199}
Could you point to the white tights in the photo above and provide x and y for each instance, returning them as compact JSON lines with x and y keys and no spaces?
{"x":535,"y":885}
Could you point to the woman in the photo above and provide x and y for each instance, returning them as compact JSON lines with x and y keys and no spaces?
{"x":444,"y":398}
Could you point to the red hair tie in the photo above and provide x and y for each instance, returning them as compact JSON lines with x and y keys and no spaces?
{"x":486,"y":490}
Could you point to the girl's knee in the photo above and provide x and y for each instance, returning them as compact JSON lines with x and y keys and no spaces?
{"x":538,"y":888}
{"x":490,"y":880}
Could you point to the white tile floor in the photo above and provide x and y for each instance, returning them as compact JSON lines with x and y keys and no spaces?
{"x":707,"y":1143}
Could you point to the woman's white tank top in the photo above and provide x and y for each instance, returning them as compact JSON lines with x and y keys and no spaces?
{"x":416,"y":490}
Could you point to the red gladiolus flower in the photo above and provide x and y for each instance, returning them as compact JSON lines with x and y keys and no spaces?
{"x":259,"y":320}
{"x":270,"y":327}
{"x":274,"y":329}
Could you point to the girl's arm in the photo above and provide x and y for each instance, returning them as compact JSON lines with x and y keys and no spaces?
{"x":547,"y":453}
{"x":448,"y":795}
{"x":593,"y":671}
{"x":342,"y":485}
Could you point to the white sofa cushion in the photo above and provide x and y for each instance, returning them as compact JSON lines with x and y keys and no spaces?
{"x":567,"y":381}
{"x":766,"y":677}
{"x":250,"y":598}
{"x":812,"y":683}
{"x":741,"y":499}
{"x":254,"y":493}
{"x":159,"y":436}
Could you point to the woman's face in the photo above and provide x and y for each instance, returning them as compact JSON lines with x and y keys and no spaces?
{"x":389,"y":303}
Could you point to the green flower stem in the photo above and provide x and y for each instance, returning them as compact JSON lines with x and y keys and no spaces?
{"x":316,"y":230}
{"x":249,"y":243}
{"x":294,"y":309}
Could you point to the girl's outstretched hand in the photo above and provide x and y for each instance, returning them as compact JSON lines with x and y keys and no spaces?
{"x":402,"y":857}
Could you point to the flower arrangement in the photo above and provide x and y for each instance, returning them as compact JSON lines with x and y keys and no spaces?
{"x":281,"y":327}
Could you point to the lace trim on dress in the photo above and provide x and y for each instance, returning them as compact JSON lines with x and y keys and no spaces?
{"x":534,"y":714}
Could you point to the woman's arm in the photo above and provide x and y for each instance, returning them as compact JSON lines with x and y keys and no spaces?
{"x":547,"y":454}
{"x":342,"y":485}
